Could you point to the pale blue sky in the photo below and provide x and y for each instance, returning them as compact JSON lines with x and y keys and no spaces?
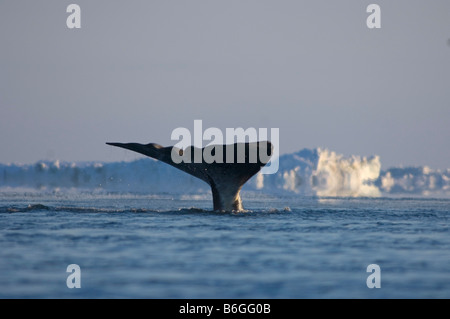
{"x":136,"y":70}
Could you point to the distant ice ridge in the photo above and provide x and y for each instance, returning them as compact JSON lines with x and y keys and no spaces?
{"x":316,"y":172}
{"x":323,"y":173}
{"x":415,"y":181}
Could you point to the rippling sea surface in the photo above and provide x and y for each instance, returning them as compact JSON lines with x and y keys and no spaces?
{"x":142,"y":246}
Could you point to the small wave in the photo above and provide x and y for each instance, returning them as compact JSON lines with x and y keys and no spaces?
{"x":111,"y":210}
{"x":276,"y":210}
{"x":62,"y":209}
{"x":35,"y":207}
{"x":194,"y":210}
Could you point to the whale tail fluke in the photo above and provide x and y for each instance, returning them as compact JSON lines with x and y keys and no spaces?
{"x":226,"y":168}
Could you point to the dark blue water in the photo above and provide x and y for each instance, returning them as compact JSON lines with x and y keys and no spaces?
{"x":134,"y":246}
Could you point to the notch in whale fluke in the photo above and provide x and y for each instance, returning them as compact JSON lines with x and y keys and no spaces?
{"x":225,"y":177}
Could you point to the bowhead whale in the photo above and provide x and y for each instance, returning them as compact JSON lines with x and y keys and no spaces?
{"x":225,"y":176}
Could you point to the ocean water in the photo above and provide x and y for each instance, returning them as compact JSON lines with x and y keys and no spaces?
{"x":174,"y":246}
